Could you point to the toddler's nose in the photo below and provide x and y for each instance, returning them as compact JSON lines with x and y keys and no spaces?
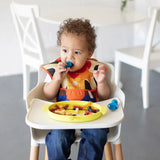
{"x":70,"y":56}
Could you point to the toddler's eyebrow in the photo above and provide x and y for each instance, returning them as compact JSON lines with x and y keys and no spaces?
{"x":79,"y":49}
{"x":73,"y":49}
{"x":64,"y":47}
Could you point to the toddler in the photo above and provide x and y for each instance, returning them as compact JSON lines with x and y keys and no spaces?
{"x":85,"y":79}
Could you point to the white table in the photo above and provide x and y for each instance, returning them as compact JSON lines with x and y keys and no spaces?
{"x":35,"y":118}
{"x":100,"y":16}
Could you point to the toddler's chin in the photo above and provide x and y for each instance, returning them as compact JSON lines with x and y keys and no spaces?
{"x":71,"y":70}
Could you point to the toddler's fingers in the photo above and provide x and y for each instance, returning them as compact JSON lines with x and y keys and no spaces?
{"x":95,"y":72}
{"x":66,"y":70}
{"x":61,"y":67}
{"x":102,"y":67}
{"x":60,"y":64}
{"x":102,"y":71}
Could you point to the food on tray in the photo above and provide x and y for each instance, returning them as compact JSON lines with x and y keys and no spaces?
{"x":74,"y":111}
{"x":86,"y":109}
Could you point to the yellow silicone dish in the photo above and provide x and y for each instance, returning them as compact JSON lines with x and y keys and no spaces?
{"x":80,"y":117}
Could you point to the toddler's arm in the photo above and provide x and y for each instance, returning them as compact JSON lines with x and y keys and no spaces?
{"x":51,"y":89}
{"x":102,"y":87}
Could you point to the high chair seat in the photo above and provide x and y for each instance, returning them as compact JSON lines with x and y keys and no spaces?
{"x":135,"y":54}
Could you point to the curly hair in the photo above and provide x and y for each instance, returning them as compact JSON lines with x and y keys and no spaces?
{"x":80,"y":27}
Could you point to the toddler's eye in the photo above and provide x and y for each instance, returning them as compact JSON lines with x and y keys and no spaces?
{"x":64,"y":50}
{"x":77,"y":52}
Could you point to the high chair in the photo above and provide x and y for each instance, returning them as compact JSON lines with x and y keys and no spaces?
{"x":145,"y":57}
{"x":34,"y":53}
{"x":38,"y":135}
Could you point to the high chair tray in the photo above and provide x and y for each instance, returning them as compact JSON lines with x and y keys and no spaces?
{"x":35,"y":118}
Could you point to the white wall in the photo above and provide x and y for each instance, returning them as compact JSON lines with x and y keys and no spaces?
{"x":9,"y":49}
{"x":10,"y":56}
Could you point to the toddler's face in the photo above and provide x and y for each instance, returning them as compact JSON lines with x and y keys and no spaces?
{"x":74,"y":49}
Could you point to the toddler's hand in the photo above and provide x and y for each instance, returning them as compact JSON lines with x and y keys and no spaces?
{"x":60,"y":71}
{"x":100,"y":74}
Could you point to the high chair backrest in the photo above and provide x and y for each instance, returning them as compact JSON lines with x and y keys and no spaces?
{"x":24,"y":17}
{"x":115,"y":90}
{"x":154,"y":15}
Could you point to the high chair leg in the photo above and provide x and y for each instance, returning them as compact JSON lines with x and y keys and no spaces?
{"x":34,"y":153}
{"x":108,"y":151}
{"x":46,"y":153}
{"x":117,"y":151}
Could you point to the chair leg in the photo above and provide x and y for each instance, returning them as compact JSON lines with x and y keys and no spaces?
{"x":108,"y":151}
{"x":117,"y":71}
{"x":145,"y":88}
{"x":118,"y":155}
{"x":26,"y":80}
{"x":34,"y":153}
{"x":46,"y":153}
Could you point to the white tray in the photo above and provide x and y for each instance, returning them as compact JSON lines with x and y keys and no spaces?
{"x":35,"y":118}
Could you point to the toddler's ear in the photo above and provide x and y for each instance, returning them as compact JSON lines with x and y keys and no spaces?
{"x":90,"y":54}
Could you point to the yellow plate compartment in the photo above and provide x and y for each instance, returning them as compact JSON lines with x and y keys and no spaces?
{"x":78,"y":118}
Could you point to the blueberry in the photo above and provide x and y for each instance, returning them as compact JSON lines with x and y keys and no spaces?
{"x":96,"y":111}
{"x":89,"y":107}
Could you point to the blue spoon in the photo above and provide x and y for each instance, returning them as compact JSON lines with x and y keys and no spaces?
{"x":113,"y":105}
{"x":69,"y":64}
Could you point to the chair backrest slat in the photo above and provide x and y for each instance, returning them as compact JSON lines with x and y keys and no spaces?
{"x":156,"y":44}
{"x":154,"y":14}
{"x":25,"y":10}
{"x":29,"y":36}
